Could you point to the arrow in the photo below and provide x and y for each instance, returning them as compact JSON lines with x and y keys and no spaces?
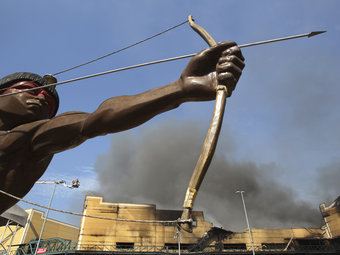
{"x":283,"y":39}
{"x":162,"y":61}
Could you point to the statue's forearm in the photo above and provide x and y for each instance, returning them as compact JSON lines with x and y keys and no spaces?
{"x":125,"y":112}
{"x":116,"y":114}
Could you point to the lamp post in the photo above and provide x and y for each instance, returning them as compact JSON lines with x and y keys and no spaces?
{"x":75,"y":184}
{"x":245,"y":212}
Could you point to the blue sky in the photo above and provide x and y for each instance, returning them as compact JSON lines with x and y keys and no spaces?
{"x":284,"y":112}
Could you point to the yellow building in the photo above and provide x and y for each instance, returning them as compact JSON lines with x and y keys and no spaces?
{"x":98,"y":234}
{"x":102,"y":234}
{"x":133,"y":228}
{"x":13,"y":236}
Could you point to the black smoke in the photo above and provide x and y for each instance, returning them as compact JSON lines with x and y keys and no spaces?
{"x":329,"y":180}
{"x":154,"y":165}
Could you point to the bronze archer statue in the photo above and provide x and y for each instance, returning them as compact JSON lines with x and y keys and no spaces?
{"x":31,"y":132}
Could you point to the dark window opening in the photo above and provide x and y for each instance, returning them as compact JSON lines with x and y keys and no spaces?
{"x":174,"y":246}
{"x":234,"y":246}
{"x":274,"y":246}
{"x":311,"y":242}
{"x":125,"y":245}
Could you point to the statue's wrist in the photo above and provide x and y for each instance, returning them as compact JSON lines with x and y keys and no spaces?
{"x":183,"y":90}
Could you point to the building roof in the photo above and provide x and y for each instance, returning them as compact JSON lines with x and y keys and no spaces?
{"x":15,"y":214}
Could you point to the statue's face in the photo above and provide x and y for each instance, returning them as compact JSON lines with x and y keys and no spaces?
{"x":31,"y":105}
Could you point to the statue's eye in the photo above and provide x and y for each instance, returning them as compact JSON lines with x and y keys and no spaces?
{"x":32,"y":92}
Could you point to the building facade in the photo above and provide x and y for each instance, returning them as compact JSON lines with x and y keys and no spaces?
{"x":123,"y":228}
{"x":97,"y":233}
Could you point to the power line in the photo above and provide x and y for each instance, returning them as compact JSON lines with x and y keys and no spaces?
{"x":93,"y":216}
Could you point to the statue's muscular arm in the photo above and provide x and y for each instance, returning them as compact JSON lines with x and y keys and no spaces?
{"x":197,"y":83}
{"x":116,"y":114}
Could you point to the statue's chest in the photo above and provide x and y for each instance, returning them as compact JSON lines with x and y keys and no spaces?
{"x":14,"y":142}
{"x":16,"y":156}
{"x":14,"y":148}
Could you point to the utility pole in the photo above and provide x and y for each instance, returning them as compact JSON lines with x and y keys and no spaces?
{"x":75,"y":184}
{"x":245,"y":212}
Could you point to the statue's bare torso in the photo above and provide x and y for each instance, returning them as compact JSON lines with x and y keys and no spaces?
{"x":19,"y":167}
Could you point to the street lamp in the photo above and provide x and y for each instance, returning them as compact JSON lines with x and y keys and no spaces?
{"x":245,"y":212}
{"x":75,"y":184}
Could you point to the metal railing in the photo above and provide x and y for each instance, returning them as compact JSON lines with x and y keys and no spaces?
{"x":58,"y":245}
{"x":49,"y":246}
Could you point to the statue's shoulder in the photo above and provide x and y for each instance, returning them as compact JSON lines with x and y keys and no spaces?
{"x":21,"y":134}
{"x":28,"y":127}
{"x":18,"y":138}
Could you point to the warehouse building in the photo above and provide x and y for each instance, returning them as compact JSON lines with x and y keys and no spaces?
{"x":110,"y":235}
{"x":123,"y":228}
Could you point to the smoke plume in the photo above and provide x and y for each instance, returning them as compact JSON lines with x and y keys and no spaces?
{"x":329,"y":180}
{"x":154,"y":166}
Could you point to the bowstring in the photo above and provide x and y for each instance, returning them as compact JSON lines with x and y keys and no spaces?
{"x":96,"y":59}
{"x":124,"y":48}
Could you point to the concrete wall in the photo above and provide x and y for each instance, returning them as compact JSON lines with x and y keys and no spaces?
{"x":279,"y":237}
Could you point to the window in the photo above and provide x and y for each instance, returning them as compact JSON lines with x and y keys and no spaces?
{"x":174,"y":246}
{"x":274,"y":246}
{"x":234,"y":246}
{"x":125,"y":245}
{"x":312,"y":244}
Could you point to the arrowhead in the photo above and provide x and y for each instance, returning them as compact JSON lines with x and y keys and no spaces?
{"x":316,"y":33}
